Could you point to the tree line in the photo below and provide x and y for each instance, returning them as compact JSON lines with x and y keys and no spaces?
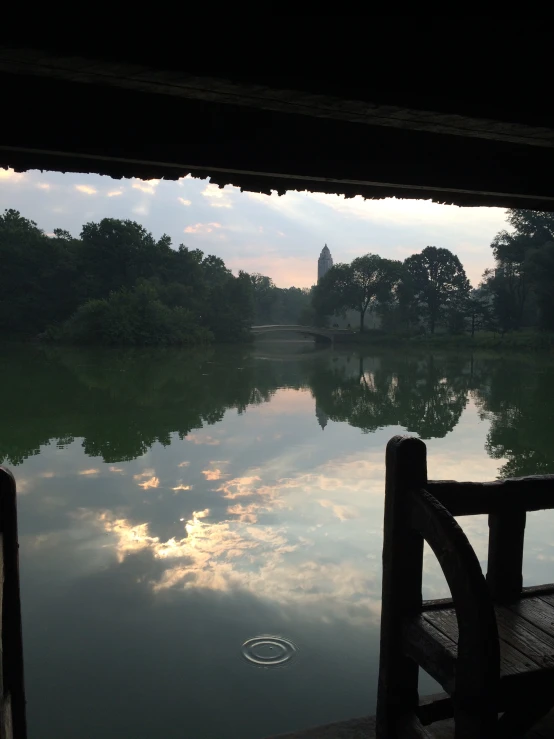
{"x":430,"y":290}
{"x":117,"y":284}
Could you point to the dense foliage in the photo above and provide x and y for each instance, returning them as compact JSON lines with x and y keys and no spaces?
{"x":426,"y":290}
{"x":117,"y":284}
{"x":430,"y":291}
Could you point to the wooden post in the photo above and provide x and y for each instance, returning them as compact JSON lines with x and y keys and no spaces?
{"x":406,"y":465}
{"x":12,"y":690}
{"x":504,"y":570}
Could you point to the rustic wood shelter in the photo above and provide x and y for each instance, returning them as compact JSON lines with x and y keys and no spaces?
{"x":446,"y":108}
{"x":457,"y":110}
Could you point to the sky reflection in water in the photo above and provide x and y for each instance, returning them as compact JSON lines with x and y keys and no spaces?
{"x":174,"y":505}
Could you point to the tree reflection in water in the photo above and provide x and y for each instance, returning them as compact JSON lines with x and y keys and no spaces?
{"x":121,"y":402}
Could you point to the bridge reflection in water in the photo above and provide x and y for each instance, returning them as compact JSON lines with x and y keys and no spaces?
{"x":327,"y":333}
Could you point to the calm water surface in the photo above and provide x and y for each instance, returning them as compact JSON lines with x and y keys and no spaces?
{"x":175,"y":506}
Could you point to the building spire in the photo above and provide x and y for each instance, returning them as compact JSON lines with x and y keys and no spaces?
{"x":324,"y":263}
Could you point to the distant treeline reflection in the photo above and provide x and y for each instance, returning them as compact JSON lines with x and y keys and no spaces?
{"x":119,"y":403}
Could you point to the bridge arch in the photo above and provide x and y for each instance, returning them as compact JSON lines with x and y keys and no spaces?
{"x":328,"y":333}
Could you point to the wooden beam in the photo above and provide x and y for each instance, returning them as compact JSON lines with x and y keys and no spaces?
{"x":474,"y":498}
{"x":181,"y":84}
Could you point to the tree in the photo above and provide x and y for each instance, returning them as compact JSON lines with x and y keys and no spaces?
{"x":518,"y":278}
{"x":264,"y":295}
{"x":362,"y":285}
{"x":540,"y":266}
{"x":439,"y":282}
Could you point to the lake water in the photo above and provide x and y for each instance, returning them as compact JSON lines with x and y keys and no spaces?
{"x":174,"y":506}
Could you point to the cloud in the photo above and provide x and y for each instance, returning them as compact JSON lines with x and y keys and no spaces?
{"x":149,"y":479}
{"x":239,"y":487}
{"x":215,"y":474}
{"x":220,"y":198}
{"x":145,"y":473}
{"x":86,"y":189}
{"x":208,"y":440}
{"x":153,"y":482}
{"x":43,"y":186}
{"x":89,"y":472}
{"x":10,"y":174}
{"x":342,"y":512}
{"x":246,"y":513}
{"x":183,"y":464}
{"x":205,"y":228}
{"x":182,"y":487}
{"x":183,"y":201}
{"x":116,"y":469}
{"x":147,"y":186}
{"x":114,"y":193}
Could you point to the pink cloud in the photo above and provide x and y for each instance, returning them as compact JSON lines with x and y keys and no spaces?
{"x":205,"y":228}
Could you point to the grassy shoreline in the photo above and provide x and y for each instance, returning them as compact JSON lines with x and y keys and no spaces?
{"x":517,"y":341}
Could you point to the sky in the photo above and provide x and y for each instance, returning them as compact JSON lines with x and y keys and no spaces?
{"x":279,"y":236}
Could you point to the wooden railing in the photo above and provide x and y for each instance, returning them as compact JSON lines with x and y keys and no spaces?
{"x":465,"y":653}
{"x":12,"y":689}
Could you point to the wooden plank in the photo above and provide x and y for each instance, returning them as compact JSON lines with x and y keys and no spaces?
{"x":537,"y":611}
{"x":526,"y":638}
{"x":410,"y":727}
{"x":533,"y":590}
{"x":505,"y":559}
{"x":406,"y":468}
{"x":434,"y":708}
{"x":474,"y":498}
{"x":433,"y":650}
{"x":547,"y":597}
{"x":512,"y":662}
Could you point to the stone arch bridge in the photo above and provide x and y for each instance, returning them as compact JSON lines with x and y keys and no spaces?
{"x":327,"y":333}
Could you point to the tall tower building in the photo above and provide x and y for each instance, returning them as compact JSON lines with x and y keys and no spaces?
{"x":324,"y":263}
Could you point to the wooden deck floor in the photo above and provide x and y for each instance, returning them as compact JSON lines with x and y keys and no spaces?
{"x":364,"y":728}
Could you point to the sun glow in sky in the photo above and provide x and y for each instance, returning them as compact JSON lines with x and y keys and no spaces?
{"x":277,"y":236}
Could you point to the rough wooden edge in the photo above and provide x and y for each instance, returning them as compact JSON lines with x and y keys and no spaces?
{"x":478,"y":663}
{"x":475,"y":498}
{"x":12,"y":639}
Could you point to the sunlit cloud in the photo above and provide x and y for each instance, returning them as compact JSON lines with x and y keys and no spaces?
{"x":197,"y":440}
{"x":91,"y":471}
{"x":220,"y":198}
{"x":183,"y":464}
{"x":205,"y":228}
{"x":148,"y":472}
{"x":86,"y":189}
{"x":149,"y":479}
{"x":246,"y":513}
{"x":153,"y":482}
{"x":215,"y":474}
{"x":182,"y":487}
{"x":43,"y":186}
{"x":48,"y":474}
{"x":239,"y":487}
{"x":114,"y":193}
{"x":10,"y":174}
{"x":342,"y":512}
{"x":183,"y":201}
{"x":116,"y":469}
{"x":147,"y":186}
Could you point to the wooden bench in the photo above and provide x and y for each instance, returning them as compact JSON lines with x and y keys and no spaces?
{"x":491,"y":646}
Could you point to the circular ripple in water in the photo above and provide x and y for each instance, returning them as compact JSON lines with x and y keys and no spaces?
{"x":268,"y":651}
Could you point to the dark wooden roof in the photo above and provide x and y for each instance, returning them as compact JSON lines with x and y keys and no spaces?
{"x":369,"y":106}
